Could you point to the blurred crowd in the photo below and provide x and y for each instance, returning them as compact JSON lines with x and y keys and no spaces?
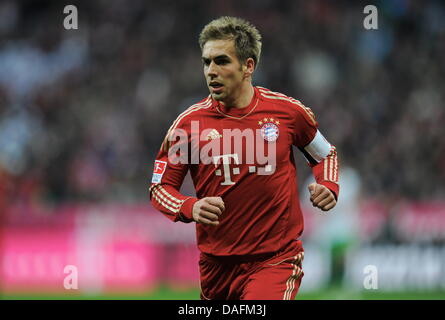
{"x":83,"y":112}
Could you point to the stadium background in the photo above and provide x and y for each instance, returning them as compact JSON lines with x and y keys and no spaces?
{"x":83,"y":112}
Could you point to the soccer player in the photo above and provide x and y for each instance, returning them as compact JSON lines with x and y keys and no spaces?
{"x":237,"y":145}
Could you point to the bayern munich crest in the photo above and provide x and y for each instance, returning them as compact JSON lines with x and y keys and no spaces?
{"x":269,"y":129}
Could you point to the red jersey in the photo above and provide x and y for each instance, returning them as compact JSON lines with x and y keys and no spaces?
{"x":262,"y":211}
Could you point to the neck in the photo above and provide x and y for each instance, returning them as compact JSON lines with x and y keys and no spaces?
{"x":243,"y":97}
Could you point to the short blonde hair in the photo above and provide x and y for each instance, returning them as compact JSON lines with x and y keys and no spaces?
{"x":246,"y":36}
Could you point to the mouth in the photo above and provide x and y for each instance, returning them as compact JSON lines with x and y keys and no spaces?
{"x":216,"y":86}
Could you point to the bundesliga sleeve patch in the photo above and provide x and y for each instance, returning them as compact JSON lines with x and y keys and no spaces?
{"x":158,"y":171}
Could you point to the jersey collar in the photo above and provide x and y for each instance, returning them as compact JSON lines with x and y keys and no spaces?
{"x":239,"y":112}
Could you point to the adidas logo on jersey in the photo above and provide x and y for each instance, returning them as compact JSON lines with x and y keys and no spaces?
{"x":214,"y":134}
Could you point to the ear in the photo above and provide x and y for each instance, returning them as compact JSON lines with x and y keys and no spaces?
{"x":249,"y":67}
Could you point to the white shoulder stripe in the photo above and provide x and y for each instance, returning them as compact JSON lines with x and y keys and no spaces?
{"x":273,"y":93}
{"x":279,"y":96}
{"x":205,"y":104}
{"x":194,"y":107}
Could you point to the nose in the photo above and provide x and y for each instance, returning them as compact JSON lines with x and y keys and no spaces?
{"x":212,"y":70}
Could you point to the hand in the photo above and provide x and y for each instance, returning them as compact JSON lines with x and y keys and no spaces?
{"x":322,"y":197}
{"x":207,"y":210}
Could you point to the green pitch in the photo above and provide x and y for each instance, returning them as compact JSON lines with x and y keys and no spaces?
{"x":166,"y":293}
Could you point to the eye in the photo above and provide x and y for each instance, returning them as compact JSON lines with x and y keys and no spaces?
{"x":206,"y":62}
{"x":221,"y":61}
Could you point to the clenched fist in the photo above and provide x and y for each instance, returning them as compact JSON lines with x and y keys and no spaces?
{"x":207,"y":210}
{"x":321,"y":197}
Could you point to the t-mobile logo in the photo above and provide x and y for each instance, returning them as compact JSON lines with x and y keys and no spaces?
{"x":226,"y":167}
{"x":228,"y":170}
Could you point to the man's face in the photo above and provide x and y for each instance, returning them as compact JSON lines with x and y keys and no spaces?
{"x":222,"y":69}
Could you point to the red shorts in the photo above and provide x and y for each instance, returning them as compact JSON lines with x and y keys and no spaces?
{"x":268,"y":277}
